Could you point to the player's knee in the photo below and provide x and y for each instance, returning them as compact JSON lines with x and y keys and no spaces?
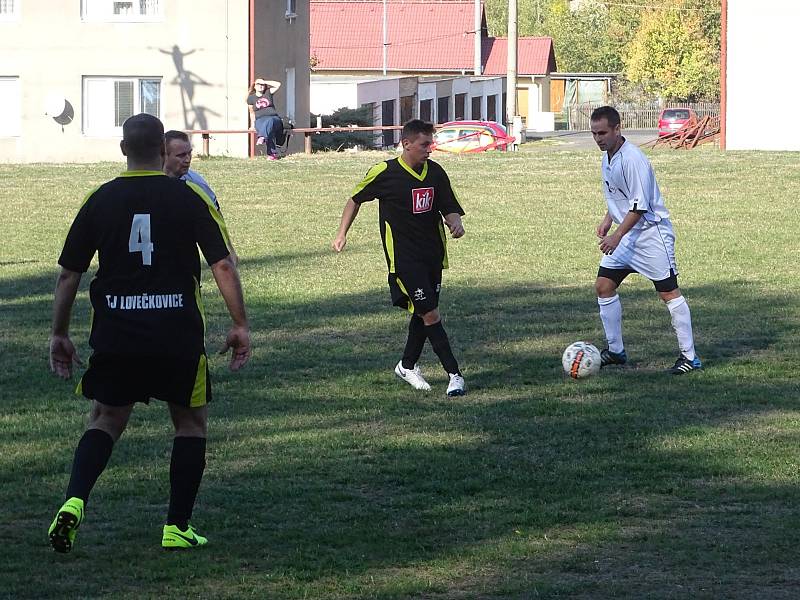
{"x":111,"y":419}
{"x":431,"y":317}
{"x":604,"y":287}
{"x":190,"y":422}
{"x":670,"y":295}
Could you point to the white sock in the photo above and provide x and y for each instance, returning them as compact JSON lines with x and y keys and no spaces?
{"x":611,"y":316}
{"x":682,"y":324}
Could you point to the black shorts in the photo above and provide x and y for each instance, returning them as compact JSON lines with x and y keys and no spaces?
{"x":119,"y":380}
{"x":416,"y":290}
{"x":618,"y":275}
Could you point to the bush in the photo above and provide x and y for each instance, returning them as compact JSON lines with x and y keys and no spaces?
{"x":344,"y":117}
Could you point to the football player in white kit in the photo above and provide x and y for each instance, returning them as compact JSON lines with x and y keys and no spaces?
{"x":642,"y":242}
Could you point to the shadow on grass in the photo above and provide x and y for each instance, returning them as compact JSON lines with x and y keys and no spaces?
{"x":323,"y":467}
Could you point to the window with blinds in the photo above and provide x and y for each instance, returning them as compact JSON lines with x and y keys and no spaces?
{"x":108,"y":101}
{"x":10,"y":101}
{"x":9,"y":9}
{"x":121,"y":10}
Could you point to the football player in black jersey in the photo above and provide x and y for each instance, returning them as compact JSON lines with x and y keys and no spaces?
{"x":415,"y":202}
{"x":148,"y":326}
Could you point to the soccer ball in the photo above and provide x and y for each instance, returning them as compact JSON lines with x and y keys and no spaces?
{"x":580,"y":360}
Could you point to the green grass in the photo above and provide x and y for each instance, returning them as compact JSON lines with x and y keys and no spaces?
{"x":328,"y":478}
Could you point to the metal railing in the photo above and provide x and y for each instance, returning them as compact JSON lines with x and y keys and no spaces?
{"x":306,"y":131}
{"x":637,"y":117}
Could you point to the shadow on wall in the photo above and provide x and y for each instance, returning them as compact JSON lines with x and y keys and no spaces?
{"x":194,"y":115}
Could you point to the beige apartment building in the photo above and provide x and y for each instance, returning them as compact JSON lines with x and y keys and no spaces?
{"x":71,"y":71}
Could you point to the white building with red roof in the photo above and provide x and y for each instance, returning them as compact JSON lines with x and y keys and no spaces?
{"x":434,"y":40}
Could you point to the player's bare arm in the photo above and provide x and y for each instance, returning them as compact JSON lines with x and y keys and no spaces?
{"x":454,"y":224}
{"x":62,"y":352}
{"x":348,"y":216}
{"x":238,"y":337}
{"x":609,"y":243}
{"x":604,"y":226}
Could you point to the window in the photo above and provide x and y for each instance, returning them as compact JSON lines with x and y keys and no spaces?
{"x":9,"y":10}
{"x":476,"y":108}
{"x":11,"y":113}
{"x":387,"y":118}
{"x":491,"y":108}
{"x":443,"y":109}
{"x":406,"y":109}
{"x":425,"y":110}
{"x":461,"y":106}
{"x":291,"y":99}
{"x":108,"y":101}
{"x":126,"y":10}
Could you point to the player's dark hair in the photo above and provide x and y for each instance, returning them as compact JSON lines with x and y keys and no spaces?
{"x":609,"y":113}
{"x":415,"y":127}
{"x":174,"y":134}
{"x":143,"y":135}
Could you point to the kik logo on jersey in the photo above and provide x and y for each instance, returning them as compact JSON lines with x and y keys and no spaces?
{"x":422,"y":199}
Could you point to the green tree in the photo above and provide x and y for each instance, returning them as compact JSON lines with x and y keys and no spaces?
{"x":674,"y":53}
{"x":584,"y":39}
{"x":667,"y":48}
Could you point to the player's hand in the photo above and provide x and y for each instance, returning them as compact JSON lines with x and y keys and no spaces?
{"x":602,"y":229}
{"x":455,"y":225}
{"x":456,"y":229}
{"x":238,"y":339}
{"x":608,"y":244}
{"x":62,"y":356}
{"x":339,"y":243}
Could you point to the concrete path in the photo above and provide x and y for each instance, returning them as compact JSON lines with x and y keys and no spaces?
{"x":580,"y":140}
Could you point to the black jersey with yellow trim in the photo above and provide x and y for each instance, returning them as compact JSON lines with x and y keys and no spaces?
{"x":145,"y":228}
{"x":410,"y":207}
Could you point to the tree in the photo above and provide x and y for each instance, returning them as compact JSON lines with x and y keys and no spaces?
{"x":667,"y":48}
{"x":674,"y":54}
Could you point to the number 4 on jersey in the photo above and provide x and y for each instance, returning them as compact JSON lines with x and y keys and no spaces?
{"x":139,"y":240}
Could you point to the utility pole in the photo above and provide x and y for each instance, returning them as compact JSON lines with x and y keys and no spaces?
{"x":477,"y":46}
{"x":511,"y":75}
{"x":385,"y":36}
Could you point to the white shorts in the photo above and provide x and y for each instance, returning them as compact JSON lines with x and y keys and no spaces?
{"x":649,"y":251}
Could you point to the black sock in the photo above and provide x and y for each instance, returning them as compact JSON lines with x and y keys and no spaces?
{"x":91,"y":457}
{"x":185,"y":472}
{"x":441,"y":345}
{"x":415,"y":342}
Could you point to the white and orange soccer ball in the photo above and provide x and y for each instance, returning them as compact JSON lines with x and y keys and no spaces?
{"x":580,"y":360}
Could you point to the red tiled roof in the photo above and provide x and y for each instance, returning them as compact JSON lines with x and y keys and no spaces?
{"x":423,"y":36}
{"x":535,"y":56}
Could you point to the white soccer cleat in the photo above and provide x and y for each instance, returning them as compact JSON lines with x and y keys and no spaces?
{"x":412,"y":377}
{"x":456,"y":387}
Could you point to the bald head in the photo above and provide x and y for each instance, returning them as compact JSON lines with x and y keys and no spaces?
{"x":143,"y":138}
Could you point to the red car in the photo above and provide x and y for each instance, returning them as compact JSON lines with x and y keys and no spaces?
{"x":672,"y":119}
{"x":471,"y":136}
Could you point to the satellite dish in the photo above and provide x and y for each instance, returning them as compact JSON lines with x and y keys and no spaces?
{"x":58,"y":107}
{"x":55,"y":105}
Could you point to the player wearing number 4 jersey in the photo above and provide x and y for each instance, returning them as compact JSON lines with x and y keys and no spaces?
{"x":643,"y":241}
{"x":414,"y":197}
{"x":148,"y":325}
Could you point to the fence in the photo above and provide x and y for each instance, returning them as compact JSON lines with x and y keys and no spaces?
{"x":637,"y":117}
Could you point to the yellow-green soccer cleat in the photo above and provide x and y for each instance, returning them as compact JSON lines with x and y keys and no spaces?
{"x":64,"y":527}
{"x":175,"y":539}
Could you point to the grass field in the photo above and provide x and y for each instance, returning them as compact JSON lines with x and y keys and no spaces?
{"x":328,"y":478}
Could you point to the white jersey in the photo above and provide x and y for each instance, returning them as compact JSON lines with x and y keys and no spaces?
{"x":195,"y":177}
{"x":630,"y":184}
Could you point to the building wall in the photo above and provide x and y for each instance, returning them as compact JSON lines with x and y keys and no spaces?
{"x":282,"y":44}
{"x":199,"y":72}
{"x":198,"y":49}
{"x":327,"y":97}
{"x":762,"y":40}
